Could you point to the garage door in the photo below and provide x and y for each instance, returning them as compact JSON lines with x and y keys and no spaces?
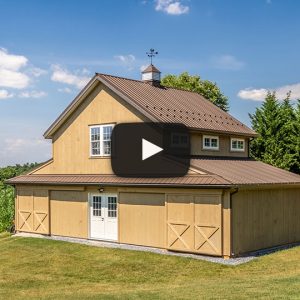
{"x":194,"y":223}
{"x":69,"y":213}
{"x":142,"y":219}
{"x":33,"y":211}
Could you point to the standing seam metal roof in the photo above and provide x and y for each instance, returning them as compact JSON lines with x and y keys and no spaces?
{"x":172,"y":105}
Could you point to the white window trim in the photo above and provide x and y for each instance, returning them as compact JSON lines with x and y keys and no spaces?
{"x":101,"y":140}
{"x":210,"y":137}
{"x":235,"y":149}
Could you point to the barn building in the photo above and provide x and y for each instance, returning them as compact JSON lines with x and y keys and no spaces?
{"x":226,"y":205}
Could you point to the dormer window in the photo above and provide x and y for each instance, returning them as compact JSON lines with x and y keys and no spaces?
{"x":237,"y":144}
{"x":210,"y":142}
{"x":100,"y":140}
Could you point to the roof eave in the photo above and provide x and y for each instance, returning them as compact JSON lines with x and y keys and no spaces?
{"x":70,"y":108}
{"x":157,"y":185}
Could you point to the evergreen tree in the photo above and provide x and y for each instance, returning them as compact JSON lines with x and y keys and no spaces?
{"x":278,"y":128}
{"x":206,"y":88}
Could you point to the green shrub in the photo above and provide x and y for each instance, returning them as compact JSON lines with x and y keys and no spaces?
{"x":7,"y":201}
{"x":7,"y":207}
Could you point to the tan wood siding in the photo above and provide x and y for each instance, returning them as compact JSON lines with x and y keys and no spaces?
{"x":224,"y":146}
{"x":32,"y":211}
{"x":71,"y":143}
{"x":142,"y":219}
{"x":195,"y":223}
{"x":69,"y":213}
{"x":265,"y":218}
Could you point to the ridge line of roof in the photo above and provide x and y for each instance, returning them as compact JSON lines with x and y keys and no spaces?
{"x":178,"y":89}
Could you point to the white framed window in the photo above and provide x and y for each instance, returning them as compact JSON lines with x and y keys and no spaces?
{"x":97,"y":206}
{"x":210,"y":142}
{"x":100,"y":140}
{"x":237,"y":144}
{"x":112,"y":207}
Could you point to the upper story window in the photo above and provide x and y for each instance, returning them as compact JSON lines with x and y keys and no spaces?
{"x":210,"y":142}
{"x":237,"y":144}
{"x":179,"y":140}
{"x":100,"y":140}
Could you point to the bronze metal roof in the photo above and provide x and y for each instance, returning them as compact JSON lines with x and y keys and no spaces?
{"x":245,"y":171}
{"x":177,"y":106}
{"x":220,"y":172}
{"x":188,"y":180}
{"x":162,"y":104}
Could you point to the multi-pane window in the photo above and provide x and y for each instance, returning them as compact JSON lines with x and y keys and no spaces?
{"x":95,"y":140}
{"x":100,"y":137}
{"x":112,"y":207}
{"x":97,"y":206}
{"x":179,"y":140}
{"x":211,"y":142}
{"x":237,"y":144}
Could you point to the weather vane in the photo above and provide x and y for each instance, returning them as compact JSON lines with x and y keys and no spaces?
{"x":151,"y":54}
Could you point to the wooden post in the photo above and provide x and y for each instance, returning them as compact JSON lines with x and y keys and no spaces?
{"x":226,"y":225}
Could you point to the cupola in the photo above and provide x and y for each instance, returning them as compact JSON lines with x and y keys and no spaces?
{"x":151,"y":75}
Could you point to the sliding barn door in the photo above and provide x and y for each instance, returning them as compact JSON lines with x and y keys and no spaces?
{"x":194,"y":223}
{"x":32,"y":211}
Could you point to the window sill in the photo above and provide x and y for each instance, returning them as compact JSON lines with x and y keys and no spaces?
{"x":210,"y":149}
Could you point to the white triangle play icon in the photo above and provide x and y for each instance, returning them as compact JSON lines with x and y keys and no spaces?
{"x":149,"y":149}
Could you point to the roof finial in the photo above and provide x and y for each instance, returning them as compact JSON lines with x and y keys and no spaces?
{"x":151,"y":54}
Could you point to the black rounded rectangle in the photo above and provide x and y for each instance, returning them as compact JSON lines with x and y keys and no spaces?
{"x":150,"y":150}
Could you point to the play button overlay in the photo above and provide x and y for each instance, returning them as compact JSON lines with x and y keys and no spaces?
{"x":150,"y":150}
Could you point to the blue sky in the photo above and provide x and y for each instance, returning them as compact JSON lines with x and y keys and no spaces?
{"x":49,"y":49}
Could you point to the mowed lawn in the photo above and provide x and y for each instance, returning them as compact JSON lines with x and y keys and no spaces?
{"x":38,"y":268}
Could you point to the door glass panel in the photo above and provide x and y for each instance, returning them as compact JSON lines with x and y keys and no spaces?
{"x":97,"y":205}
{"x":112,"y":207}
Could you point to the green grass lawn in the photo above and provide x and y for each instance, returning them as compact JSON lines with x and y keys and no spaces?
{"x":38,"y":268}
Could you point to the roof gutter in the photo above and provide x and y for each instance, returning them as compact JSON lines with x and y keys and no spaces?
{"x":207,"y":186}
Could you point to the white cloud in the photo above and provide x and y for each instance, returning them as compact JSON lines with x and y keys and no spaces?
{"x":62,"y":75}
{"x":11,"y":61}
{"x":171,"y":7}
{"x":126,"y":60}
{"x":32,"y":94}
{"x":65,"y":90}
{"x":260,"y":94}
{"x":37,"y":72}
{"x":13,"y":79}
{"x":227,"y":62}
{"x":10,"y":75}
{"x":22,"y":150}
{"x":4,"y":94}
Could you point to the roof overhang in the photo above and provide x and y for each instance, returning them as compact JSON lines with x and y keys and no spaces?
{"x":91,"y":85}
{"x":81,"y":96}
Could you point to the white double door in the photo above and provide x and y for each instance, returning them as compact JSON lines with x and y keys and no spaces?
{"x":104,"y":217}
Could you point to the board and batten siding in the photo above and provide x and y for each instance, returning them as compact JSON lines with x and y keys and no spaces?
{"x":71,"y":143}
{"x":142,"y":219}
{"x":69,"y":213}
{"x":265,"y":218}
{"x":224,"y":145}
{"x":32,"y":210}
